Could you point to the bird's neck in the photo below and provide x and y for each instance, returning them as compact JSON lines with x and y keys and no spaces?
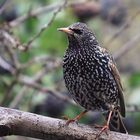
{"x":84,"y":45}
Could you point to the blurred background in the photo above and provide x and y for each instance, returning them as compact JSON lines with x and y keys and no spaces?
{"x":31,"y":52}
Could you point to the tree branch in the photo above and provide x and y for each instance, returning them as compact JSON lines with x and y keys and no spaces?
{"x":123,"y":28}
{"x":14,"y":122}
{"x":29,"y":82}
{"x":126,"y":47}
{"x":28,"y":44}
{"x":8,"y":40}
{"x":35,"y":12}
{"x":3,"y":6}
{"x":41,"y":10}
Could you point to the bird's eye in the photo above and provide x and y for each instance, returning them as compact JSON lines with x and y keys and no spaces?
{"x":77,"y":31}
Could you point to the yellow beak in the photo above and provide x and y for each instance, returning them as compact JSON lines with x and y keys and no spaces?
{"x":65,"y":30}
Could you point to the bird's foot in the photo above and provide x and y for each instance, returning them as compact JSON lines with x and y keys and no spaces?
{"x":76,"y":119}
{"x":104,"y":128}
{"x":65,"y":117}
{"x":98,"y":126}
{"x":70,"y":120}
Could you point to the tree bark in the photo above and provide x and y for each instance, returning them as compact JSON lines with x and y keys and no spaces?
{"x":15,"y":122}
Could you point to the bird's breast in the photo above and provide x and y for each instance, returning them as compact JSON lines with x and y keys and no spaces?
{"x":82,"y":71}
{"x":85,"y":77}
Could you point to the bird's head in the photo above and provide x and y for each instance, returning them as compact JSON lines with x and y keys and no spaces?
{"x":78,"y":34}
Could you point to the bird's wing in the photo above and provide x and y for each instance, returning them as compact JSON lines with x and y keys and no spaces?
{"x":115,"y":73}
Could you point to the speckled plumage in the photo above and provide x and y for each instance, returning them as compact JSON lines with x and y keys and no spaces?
{"x":89,"y":71}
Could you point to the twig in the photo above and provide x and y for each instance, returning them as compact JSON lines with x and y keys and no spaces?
{"x":14,"y":59}
{"x":5,"y":65}
{"x":126,"y":47}
{"x":33,"y":13}
{"x":124,"y":27}
{"x":14,"y":122}
{"x":52,"y":63}
{"x":24,"y":89}
{"x":133,"y":108}
{"x":28,"y":44}
{"x":32,"y":84}
{"x":39,"y":11}
{"x":18,"y":97}
{"x":3,"y":6}
{"x":9,"y":40}
{"x":7,"y":93}
{"x":43,"y":60}
{"x":13,"y":42}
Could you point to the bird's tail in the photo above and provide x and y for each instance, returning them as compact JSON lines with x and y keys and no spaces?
{"x":116,"y":122}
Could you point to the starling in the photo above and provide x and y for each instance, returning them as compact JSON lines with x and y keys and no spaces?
{"x":91,"y":77}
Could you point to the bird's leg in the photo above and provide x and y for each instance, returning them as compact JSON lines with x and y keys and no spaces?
{"x":106,"y":126}
{"x":77,"y":118}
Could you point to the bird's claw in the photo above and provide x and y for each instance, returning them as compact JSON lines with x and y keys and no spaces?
{"x":65,"y":117}
{"x":105,"y":128}
{"x":69,"y":120}
{"x":98,"y":126}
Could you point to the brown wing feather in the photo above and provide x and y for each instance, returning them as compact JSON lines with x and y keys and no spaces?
{"x":116,"y":76}
{"x":115,"y":73}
